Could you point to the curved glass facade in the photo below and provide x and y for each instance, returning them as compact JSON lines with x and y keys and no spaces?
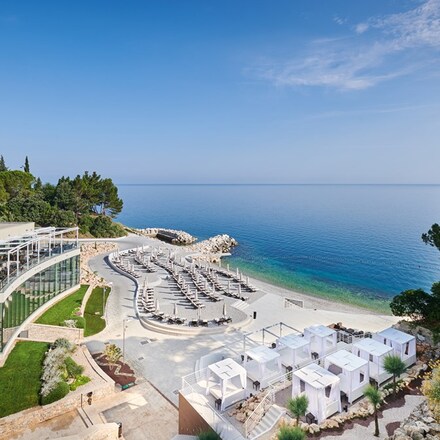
{"x":34,"y":292}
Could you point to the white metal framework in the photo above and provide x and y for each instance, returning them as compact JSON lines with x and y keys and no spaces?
{"x":404,"y":345}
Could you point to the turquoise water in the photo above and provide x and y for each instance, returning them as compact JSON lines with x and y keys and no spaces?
{"x":353,"y":243}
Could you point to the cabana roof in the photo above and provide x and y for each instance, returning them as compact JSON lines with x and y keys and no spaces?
{"x":262,"y":354}
{"x":372,"y":347}
{"x":396,"y":335}
{"x":316,"y":376}
{"x":320,"y":330}
{"x":346,"y":360}
{"x":227,"y":369}
{"x":293,"y":341}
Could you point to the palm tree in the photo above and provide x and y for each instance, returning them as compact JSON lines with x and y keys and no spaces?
{"x":298,"y":406}
{"x":291,"y":433}
{"x":394,"y":365}
{"x":375,"y":398}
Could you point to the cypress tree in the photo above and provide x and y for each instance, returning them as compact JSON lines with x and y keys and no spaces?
{"x":3,"y":166}
{"x":26,"y":165}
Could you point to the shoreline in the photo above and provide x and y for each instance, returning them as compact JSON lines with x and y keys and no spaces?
{"x":310,"y":300}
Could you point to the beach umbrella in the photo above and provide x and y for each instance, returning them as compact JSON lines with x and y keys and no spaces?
{"x":196,"y":295}
{"x":213,"y":288}
{"x":199,"y":313}
{"x":239,"y":289}
{"x":227,"y":267}
{"x":157,"y":305}
{"x":241,"y":275}
{"x":175,"y":309}
{"x":247,"y":280}
{"x":229,"y":287}
{"x":220,"y":263}
{"x":237,"y":271}
{"x":224,"y":309}
{"x":197,"y":277}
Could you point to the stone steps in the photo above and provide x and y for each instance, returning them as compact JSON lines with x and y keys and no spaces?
{"x":268,"y":421}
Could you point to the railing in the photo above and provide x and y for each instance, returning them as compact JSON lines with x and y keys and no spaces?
{"x":254,"y":419}
{"x":33,"y":262}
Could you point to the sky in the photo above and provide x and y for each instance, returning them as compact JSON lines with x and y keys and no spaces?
{"x":226,"y":91}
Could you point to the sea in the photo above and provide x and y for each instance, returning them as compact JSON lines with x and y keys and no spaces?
{"x":359,"y":244}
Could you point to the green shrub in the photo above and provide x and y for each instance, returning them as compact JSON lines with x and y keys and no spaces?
{"x":291,"y":433}
{"x":63,"y":343}
{"x":61,"y":390}
{"x":80,"y":380}
{"x":73,"y":369}
{"x":209,"y":435}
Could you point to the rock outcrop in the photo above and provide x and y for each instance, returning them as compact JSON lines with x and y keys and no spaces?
{"x":172,"y":236}
{"x":211,"y":248}
{"x":90,"y":250}
{"x":419,"y":425}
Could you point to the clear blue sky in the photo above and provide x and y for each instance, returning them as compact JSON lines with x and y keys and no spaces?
{"x":222,"y":91}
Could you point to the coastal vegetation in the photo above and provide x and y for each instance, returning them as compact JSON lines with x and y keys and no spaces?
{"x":422,"y":307}
{"x":65,"y":310}
{"x":88,"y":201}
{"x":298,"y":406}
{"x":291,"y":433}
{"x":393,"y":365}
{"x":20,"y":377}
{"x":431,"y":388}
{"x":61,"y":373}
{"x":374,"y":396}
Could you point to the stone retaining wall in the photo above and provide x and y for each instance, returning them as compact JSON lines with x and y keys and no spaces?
{"x":102,"y":387}
{"x":49,"y":333}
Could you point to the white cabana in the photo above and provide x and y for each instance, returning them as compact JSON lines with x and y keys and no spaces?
{"x":374,"y":352}
{"x":294,"y":350}
{"x":404,"y":345}
{"x":262,"y":365}
{"x":322,"y":339}
{"x":321,"y":387}
{"x":352,"y":370}
{"x":226,"y":381}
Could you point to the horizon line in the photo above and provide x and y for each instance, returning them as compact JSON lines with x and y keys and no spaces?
{"x":278,"y":184}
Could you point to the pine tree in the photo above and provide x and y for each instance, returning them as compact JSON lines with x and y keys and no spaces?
{"x":26,"y":165}
{"x":3,"y":166}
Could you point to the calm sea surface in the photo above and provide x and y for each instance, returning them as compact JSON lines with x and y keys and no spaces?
{"x":359,"y":244}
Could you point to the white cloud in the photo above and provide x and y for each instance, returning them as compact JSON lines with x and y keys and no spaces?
{"x":378,"y":50}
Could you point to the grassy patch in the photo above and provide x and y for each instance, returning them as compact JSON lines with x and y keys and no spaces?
{"x":20,"y":377}
{"x":93,"y":311}
{"x":64,"y":309}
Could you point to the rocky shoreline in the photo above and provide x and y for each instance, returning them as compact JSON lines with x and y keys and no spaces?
{"x":172,"y":236}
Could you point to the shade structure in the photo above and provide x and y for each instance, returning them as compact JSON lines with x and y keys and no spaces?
{"x":229,"y":287}
{"x":403,"y":344}
{"x":374,"y":352}
{"x":294,"y":350}
{"x":352,"y":370}
{"x":175,"y":309}
{"x":224,"y":310}
{"x":262,"y":364}
{"x":322,"y":339}
{"x":199,"y":313}
{"x":226,"y":380}
{"x":239,"y":289}
{"x":196,"y":294}
{"x":237,"y":271}
{"x":322,"y":389}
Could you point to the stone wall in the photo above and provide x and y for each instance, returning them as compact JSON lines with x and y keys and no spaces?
{"x":190,"y":421}
{"x":49,"y":333}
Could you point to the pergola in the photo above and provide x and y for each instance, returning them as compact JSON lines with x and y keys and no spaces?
{"x":262,"y":365}
{"x":322,"y":339}
{"x":374,"y":352}
{"x":294,"y":350}
{"x":404,"y":345}
{"x":226,"y":381}
{"x":352,"y":370}
{"x":322,"y":389}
